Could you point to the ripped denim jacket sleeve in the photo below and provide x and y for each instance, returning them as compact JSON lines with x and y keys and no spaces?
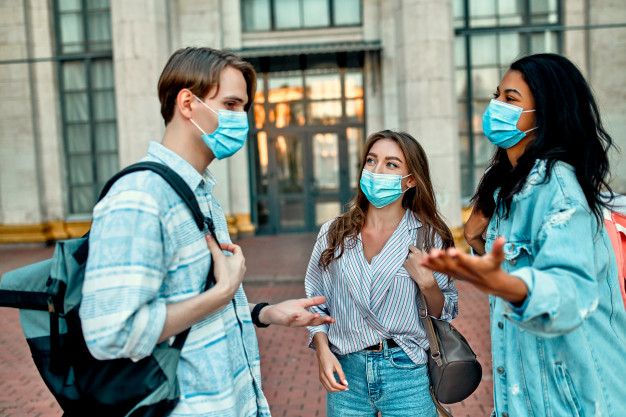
{"x":558,"y":271}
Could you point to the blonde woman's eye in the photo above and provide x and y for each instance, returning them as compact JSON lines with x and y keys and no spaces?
{"x":392,"y":165}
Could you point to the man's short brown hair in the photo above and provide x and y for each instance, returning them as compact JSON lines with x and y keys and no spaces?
{"x":199,"y":70}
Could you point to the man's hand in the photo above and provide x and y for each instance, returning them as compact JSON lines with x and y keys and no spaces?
{"x":229,"y":270}
{"x":295,"y":313}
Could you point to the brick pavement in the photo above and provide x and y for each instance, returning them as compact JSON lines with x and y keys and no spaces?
{"x":276,"y":266}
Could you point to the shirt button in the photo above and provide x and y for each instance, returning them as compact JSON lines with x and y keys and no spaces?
{"x":500,"y":325}
{"x":505,"y":414}
{"x":513,"y":261}
{"x":500,"y":370}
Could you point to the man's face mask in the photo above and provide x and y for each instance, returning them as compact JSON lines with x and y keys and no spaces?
{"x":381,"y":189}
{"x":500,"y":124}
{"x":231,"y":132}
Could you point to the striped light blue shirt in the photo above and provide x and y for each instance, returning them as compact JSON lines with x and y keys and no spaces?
{"x":372,"y":302}
{"x":145,"y":252}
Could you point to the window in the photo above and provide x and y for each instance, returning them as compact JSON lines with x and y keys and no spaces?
{"x":266,"y":15}
{"x":87,"y":94}
{"x":491,"y":34}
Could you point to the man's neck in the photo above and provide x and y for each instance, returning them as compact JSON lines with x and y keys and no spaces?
{"x":188,"y":146}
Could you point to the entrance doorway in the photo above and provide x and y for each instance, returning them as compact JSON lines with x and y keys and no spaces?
{"x":306,"y":139}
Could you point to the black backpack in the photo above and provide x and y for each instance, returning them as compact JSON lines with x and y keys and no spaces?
{"x":48,"y":295}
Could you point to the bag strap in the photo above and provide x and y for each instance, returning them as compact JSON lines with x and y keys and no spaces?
{"x":423,"y":312}
{"x":186,"y":194}
{"x":429,"y":328}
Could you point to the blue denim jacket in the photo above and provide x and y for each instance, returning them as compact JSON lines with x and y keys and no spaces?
{"x":563,"y":351}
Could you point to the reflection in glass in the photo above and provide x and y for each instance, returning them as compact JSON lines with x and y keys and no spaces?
{"x":74,"y":76}
{"x":347,"y":12}
{"x":80,"y":169}
{"x":285,"y":88}
{"x":354,"y":85}
{"x":72,"y":36}
{"x":315,"y":13}
{"x":543,"y":11}
{"x":326,"y":211}
{"x":101,"y":74}
{"x":510,"y":48}
{"x":76,"y":107}
{"x":288,"y":114}
{"x":106,"y":166}
{"x":292,"y":213}
{"x":286,"y":14}
{"x":78,"y":138}
{"x":354,"y":110}
{"x":70,"y":6}
{"x":82,"y":199}
{"x":288,"y":158}
{"x":543,"y":42}
{"x":259,"y":116}
{"x":484,"y":50}
{"x":262,"y":167}
{"x":263,"y":214}
{"x":355,"y":150}
{"x":256,"y":15}
{"x":106,"y":137}
{"x":104,"y":105}
{"x":326,"y":161}
{"x":482,"y":13}
{"x":324,"y":112}
{"x":323,"y":85}
{"x":99,"y":27}
{"x":484,"y":82}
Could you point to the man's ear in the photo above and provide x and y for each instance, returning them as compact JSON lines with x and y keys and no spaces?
{"x":184,"y":98}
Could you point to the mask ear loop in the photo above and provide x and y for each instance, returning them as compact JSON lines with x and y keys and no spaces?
{"x":408,"y":188}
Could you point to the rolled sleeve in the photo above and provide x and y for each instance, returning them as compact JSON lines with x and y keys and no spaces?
{"x":314,"y":286}
{"x":562,"y":287}
{"x":451,"y":297}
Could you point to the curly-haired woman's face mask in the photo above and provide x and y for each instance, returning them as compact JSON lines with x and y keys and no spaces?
{"x":510,"y":115}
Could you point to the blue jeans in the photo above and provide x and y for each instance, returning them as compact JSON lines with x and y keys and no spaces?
{"x":386,"y":381}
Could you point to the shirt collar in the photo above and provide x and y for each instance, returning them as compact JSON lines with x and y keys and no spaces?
{"x":410,"y":220}
{"x":183,"y":168}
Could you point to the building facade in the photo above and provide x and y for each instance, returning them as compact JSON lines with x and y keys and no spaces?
{"x":78,"y":80}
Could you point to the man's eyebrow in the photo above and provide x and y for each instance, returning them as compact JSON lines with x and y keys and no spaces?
{"x":235,"y":98}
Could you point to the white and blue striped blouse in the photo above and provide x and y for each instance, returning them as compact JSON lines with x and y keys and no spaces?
{"x":372,"y":302}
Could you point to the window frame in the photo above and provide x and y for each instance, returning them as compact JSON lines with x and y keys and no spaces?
{"x":86,"y":57}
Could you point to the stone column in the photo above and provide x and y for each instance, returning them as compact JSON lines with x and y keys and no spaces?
{"x":20,"y":199}
{"x":426,"y":103}
{"x":141,"y":48}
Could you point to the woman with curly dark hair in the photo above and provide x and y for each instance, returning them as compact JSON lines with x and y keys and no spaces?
{"x":365,"y":264}
{"x":558,"y":324}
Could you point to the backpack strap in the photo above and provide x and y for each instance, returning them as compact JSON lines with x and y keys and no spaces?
{"x":185,"y":193}
{"x":174,"y":180}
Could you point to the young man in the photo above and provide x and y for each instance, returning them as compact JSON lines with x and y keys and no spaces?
{"x":148,"y":261}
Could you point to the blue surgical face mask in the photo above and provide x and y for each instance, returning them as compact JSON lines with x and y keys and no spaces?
{"x":381,"y":189}
{"x":500,"y":124}
{"x":230,"y":135}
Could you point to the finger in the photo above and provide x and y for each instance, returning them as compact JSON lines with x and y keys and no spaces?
{"x":341,"y":375}
{"x":497,"y":250}
{"x":330,"y":382}
{"x":313,"y":301}
{"x":231,"y":247}
{"x":213,"y":246}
